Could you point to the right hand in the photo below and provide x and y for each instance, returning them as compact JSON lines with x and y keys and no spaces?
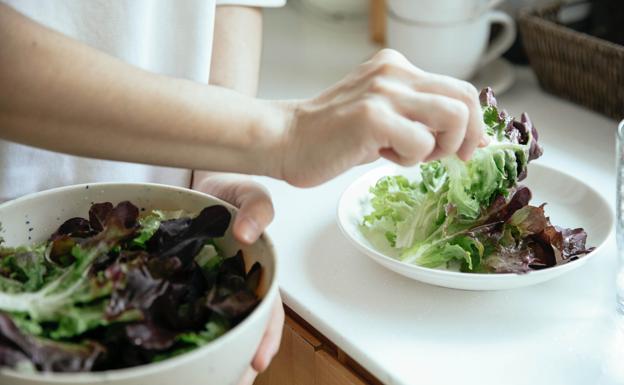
{"x":387,"y":107}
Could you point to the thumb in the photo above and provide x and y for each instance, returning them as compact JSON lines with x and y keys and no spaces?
{"x":255,"y":213}
{"x":248,"y":377}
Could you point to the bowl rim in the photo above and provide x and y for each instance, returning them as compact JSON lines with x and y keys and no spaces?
{"x":461,"y":275}
{"x":169,"y":363}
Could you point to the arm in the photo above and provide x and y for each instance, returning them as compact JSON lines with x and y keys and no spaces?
{"x":236,"y":51}
{"x":237,"y":48}
{"x":61,"y":95}
{"x":64,"y":96}
{"x":235,"y":65}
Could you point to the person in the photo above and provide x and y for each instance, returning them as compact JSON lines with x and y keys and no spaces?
{"x":139,"y":91}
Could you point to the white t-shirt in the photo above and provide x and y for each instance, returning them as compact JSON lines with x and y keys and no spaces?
{"x":170,"y":37}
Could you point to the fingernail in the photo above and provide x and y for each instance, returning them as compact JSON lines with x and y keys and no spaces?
{"x":265,"y":364}
{"x":250,"y":231}
{"x":261,"y":362}
{"x":484,"y":141}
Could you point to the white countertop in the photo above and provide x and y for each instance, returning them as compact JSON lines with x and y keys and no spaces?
{"x":406,"y":332}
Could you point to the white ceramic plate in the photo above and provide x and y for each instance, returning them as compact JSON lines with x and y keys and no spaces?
{"x":570,"y":203}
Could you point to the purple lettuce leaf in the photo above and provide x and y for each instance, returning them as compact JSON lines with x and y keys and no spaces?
{"x":527,"y":241}
{"x":502,"y":209}
{"x":183,"y":238}
{"x":98,"y":214}
{"x":106,"y":223}
{"x":46,"y":354}
{"x":145,"y":302}
{"x":515,"y":237}
{"x":118,"y":225}
{"x":148,"y":335}
{"x":12,"y":357}
{"x":567,"y":244}
{"x":74,"y":227}
{"x":134,"y":286}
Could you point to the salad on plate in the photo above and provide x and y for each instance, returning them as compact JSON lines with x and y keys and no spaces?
{"x":472,"y":216}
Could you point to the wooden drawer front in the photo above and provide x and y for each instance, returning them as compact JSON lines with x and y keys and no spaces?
{"x":294,"y":363}
{"x":331,"y":372}
{"x":303,"y":361}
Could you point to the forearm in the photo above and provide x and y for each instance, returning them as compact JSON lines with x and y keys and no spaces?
{"x":235,"y":65}
{"x":64,"y":96}
{"x":237,"y":48}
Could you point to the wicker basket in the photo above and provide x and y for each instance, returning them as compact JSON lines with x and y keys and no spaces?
{"x":574,"y":65}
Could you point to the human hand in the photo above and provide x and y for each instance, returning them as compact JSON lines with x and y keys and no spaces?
{"x":269,"y":345}
{"x":386,"y":107}
{"x":254,"y":215}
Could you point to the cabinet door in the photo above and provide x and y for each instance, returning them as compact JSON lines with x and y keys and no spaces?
{"x":294,"y":363}
{"x":331,"y":372}
{"x":302,"y":360}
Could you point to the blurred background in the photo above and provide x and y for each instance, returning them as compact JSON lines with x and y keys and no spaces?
{"x":574,"y":47}
{"x":563,"y":62}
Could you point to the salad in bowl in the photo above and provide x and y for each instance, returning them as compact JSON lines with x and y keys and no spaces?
{"x":123,"y":283}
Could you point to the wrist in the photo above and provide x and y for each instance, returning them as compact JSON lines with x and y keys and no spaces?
{"x":212,"y":182}
{"x":278,"y":123}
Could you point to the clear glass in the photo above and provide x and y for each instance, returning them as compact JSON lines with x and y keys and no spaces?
{"x":619,"y":208}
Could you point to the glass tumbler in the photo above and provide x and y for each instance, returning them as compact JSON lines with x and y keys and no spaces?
{"x":619,"y":208}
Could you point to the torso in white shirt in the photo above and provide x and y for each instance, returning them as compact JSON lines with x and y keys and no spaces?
{"x":169,"y":37}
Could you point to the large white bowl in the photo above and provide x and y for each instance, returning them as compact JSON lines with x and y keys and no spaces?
{"x":220,"y":362}
{"x":570,"y":203}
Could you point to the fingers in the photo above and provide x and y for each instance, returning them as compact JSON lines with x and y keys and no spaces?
{"x":448,"y":106}
{"x":271,"y":339}
{"x":248,"y":377}
{"x":253,"y":200}
{"x":463,"y":92}
{"x":446,"y":118}
{"x":410,"y":142}
{"x":387,"y":107}
{"x":255,"y":214}
{"x":387,"y":62}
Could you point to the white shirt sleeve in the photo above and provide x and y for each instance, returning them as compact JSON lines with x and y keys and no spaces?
{"x":253,"y":3}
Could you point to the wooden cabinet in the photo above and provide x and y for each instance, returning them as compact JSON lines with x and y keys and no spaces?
{"x":331,"y":372}
{"x":307,"y":358}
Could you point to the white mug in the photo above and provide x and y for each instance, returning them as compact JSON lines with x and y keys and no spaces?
{"x":457,"y":49}
{"x":342,"y":8}
{"x":439,"y":11}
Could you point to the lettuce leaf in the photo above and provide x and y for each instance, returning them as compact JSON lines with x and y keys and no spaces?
{"x":472,"y":215}
{"x":18,"y":346}
{"x":151,"y":287}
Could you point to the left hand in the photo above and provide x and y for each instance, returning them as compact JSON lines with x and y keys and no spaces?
{"x":254,"y":215}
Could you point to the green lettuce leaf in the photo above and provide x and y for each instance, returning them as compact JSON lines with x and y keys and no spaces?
{"x":472,"y":216}
{"x":428,"y":221}
{"x":149,"y":224}
{"x":150,"y":287}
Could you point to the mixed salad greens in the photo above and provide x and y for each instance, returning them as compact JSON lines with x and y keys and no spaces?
{"x":118,"y":290}
{"x":473,"y":216}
